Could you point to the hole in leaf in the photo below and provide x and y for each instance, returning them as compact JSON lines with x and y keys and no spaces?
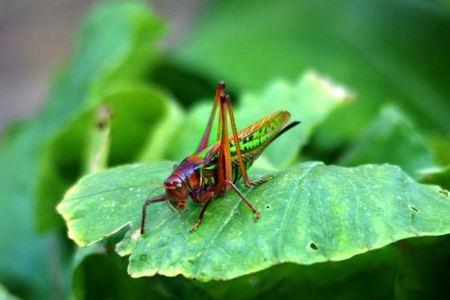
{"x":413,"y":208}
{"x":313,"y":246}
{"x":267,"y":206}
{"x":143,"y":257}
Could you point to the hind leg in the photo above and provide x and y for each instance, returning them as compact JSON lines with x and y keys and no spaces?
{"x":249,"y":183}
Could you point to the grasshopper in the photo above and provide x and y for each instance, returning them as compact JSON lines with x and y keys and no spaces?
{"x":214,"y":169}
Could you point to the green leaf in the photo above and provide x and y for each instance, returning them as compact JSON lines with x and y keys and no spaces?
{"x":164,"y":133}
{"x":391,"y":138}
{"x":375,"y":47}
{"x":113,"y":42}
{"x":446,"y":2}
{"x":440,"y":146}
{"x":310,"y":99}
{"x":310,"y":213}
{"x":98,"y":144}
{"x":438,"y":176}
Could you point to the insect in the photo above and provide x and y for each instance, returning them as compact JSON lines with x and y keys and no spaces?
{"x":214,"y":169}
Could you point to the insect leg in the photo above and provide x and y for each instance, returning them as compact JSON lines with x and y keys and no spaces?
{"x":200,"y":217}
{"x":240,"y":160}
{"x":219,"y":127}
{"x":149,"y":201}
{"x":255,"y":211}
{"x":224,"y":167}
{"x":205,"y":138}
{"x":257,"y":182}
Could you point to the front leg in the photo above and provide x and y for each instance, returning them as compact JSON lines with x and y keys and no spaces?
{"x":149,"y":201}
{"x":205,"y":198}
{"x":200,"y":216}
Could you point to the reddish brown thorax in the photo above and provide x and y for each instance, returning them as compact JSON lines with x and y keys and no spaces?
{"x":183,"y":180}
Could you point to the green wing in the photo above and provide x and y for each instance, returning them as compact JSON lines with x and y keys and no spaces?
{"x":252,"y":140}
{"x":256,"y":137}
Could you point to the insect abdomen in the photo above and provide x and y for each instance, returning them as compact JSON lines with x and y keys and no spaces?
{"x":256,"y":137}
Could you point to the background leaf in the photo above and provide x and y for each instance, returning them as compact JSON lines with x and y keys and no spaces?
{"x":440,"y":145}
{"x":114,"y":37}
{"x":98,"y":142}
{"x":375,"y":47}
{"x":439,"y":176}
{"x":391,"y":138}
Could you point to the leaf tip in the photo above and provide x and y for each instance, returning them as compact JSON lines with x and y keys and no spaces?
{"x":336,"y":91}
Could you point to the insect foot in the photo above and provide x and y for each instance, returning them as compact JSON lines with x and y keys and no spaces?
{"x":259,"y":181}
{"x":256,"y":215}
{"x":195,"y":227}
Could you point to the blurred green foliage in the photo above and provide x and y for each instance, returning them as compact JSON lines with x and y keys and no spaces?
{"x":391,"y":138}
{"x":385,"y":51}
{"x":115,"y":47}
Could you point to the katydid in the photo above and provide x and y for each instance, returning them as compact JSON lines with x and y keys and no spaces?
{"x":213,"y":170}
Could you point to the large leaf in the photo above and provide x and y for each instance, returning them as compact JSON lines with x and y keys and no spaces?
{"x":391,"y":138}
{"x":375,"y":47}
{"x":310,"y":213}
{"x":114,"y":43}
{"x":310,"y":99}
